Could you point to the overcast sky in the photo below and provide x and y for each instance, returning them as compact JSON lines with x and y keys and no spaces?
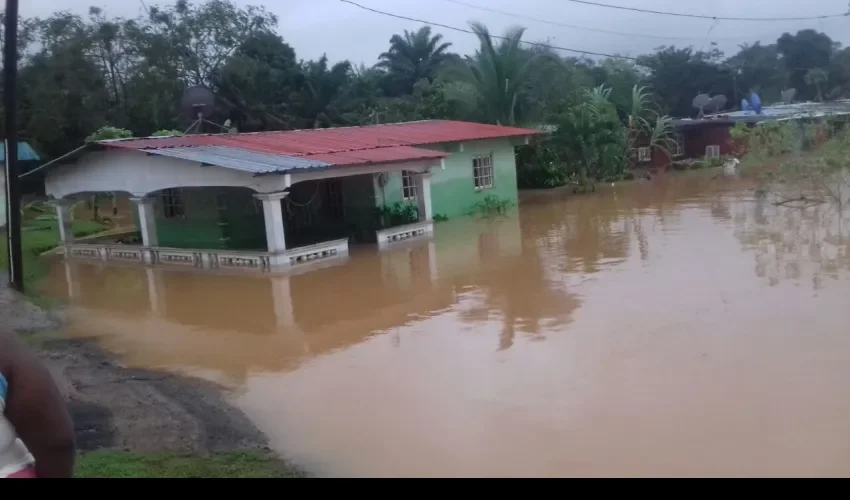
{"x":343,"y":31}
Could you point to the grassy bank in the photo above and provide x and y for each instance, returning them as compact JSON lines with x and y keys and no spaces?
{"x":108,"y":464}
{"x":37,"y":237}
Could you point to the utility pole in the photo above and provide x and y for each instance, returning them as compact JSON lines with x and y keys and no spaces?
{"x":13,"y":191}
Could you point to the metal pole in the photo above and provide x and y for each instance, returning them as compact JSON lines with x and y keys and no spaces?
{"x":13,"y":192}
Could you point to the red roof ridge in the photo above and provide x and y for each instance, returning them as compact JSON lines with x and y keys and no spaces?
{"x":306,"y":130}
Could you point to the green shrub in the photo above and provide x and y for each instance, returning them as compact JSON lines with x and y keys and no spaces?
{"x":397,"y":214}
{"x":490,"y":206}
{"x":542,"y":175}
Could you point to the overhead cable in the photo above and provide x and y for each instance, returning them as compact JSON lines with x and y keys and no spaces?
{"x":702,"y":16}
{"x":463,"y":30}
{"x":598,"y":30}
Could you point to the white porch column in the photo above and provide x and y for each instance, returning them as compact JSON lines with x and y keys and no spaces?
{"x":423,"y":196}
{"x":273,"y":215}
{"x":147,"y":222}
{"x":63,"y":217}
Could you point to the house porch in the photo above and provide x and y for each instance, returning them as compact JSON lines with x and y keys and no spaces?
{"x":199,"y":217}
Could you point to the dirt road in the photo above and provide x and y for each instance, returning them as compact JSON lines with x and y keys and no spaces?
{"x":116,"y":408}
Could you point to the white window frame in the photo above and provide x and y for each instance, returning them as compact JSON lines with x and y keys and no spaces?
{"x":644,"y":154}
{"x":483,"y":175}
{"x":712,"y":151}
{"x":408,"y":185}
{"x":680,"y":145}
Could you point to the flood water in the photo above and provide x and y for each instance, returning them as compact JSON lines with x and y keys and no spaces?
{"x":673,"y":328}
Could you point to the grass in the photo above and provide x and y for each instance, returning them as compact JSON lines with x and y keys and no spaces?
{"x":37,"y":237}
{"x":241,"y":464}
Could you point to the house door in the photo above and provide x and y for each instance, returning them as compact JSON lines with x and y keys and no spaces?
{"x":313,"y":212}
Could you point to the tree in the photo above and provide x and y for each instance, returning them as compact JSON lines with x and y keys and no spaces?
{"x":63,"y":95}
{"x":318,"y":100}
{"x":816,"y":78}
{"x":676,"y":76}
{"x":496,"y":77}
{"x":258,"y":82}
{"x":591,"y":138}
{"x":554,"y":85}
{"x":411,"y":58}
{"x":807,"y":50}
{"x":758,"y":68}
{"x":839,"y":74}
{"x":198,"y":40}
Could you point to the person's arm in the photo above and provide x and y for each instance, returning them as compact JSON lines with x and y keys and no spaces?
{"x":37,"y":411}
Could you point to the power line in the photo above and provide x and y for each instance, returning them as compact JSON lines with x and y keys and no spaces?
{"x":599,"y":30}
{"x":462,"y":30}
{"x":699,"y":16}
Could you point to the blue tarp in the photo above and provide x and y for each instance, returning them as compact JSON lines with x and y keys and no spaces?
{"x":25,"y":152}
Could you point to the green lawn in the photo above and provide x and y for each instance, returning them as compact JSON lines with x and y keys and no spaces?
{"x":37,"y":237}
{"x":112,"y":464}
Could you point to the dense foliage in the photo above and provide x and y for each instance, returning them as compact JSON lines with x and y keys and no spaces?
{"x":95,"y":76}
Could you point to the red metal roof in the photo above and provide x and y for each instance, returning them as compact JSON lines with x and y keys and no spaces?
{"x":343,"y":146}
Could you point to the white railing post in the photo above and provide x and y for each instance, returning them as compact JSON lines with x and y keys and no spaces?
{"x":64,"y":207}
{"x":147,"y":225}
{"x":275,"y":235}
{"x":423,"y":196}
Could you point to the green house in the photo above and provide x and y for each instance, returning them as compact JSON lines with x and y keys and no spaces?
{"x":294,"y":196}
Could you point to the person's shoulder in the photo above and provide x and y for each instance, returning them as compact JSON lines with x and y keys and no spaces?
{"x":10,"y":348}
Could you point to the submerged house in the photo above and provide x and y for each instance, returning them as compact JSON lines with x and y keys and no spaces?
{"x":711,"y":135}
{"x":273,"y":199}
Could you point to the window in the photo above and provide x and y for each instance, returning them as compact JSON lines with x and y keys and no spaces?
{"x":172,"y":204}
{"x":408,"y":185}
{"x":482,"y":171}
{"x":679,"y":146}
{"x":644,"y":155}
{"x":712,"y":151}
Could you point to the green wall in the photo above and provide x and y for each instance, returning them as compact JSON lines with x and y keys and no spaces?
{"x":240,"y":227}
{"x":453,"y":192}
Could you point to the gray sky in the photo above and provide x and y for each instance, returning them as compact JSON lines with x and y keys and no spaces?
{"x":343,"y":31}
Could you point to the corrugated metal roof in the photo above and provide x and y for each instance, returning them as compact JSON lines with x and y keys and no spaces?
{"x":237,"y":159}
{"x":378,"y":155}
{"x":777,"y":112}
{"x":336,"y":140}
{"x":284,"y":151}
{"x":262,"y":163}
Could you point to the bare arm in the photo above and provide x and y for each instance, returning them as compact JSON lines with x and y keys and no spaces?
{"x":36,"y":410}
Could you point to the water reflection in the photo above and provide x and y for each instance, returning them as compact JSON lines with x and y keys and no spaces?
{"x":180,"y":319}
{"x":800,"y":244}
{"x":666,"y":328}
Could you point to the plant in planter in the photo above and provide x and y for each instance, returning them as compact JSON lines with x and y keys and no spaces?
{"x":397,"y":214}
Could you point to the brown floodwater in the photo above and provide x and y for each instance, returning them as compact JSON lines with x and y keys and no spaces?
{"x":678,"y":327}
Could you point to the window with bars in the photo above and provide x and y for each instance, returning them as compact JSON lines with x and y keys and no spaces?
{"x":712,"y":151}
{"x":482,"y":171}
{"x":172,"y":204}
{"x":408,"y":185}
{"x":679,"y":146}
{"x":644,"y":155}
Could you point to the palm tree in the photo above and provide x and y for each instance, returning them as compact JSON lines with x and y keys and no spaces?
{"x":647,"y":125}
{"x":413,"y":57}
{"x":496,"y":76}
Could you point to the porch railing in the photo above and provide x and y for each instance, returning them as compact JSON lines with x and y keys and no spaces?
{"x":208,"y":258}
{"x":388,"y":237}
